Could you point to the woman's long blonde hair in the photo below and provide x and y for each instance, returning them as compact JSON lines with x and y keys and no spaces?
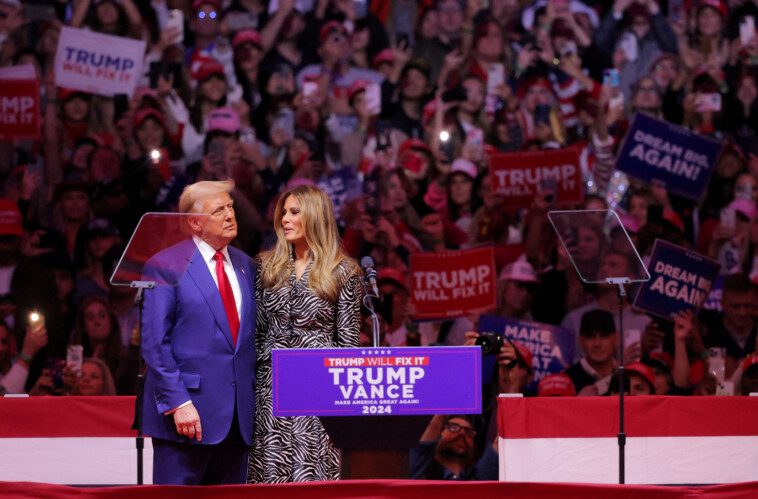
{"x":320,"y":229}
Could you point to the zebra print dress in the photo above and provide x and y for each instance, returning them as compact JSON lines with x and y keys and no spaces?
{"x":297,"y":449}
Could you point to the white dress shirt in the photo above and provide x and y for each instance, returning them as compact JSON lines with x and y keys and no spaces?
{"x":209,"y":256}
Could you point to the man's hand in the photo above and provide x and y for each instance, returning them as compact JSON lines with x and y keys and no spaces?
{"x":188,"y":422}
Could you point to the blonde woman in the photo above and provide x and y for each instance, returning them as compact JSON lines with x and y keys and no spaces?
{"x":308,"y":295}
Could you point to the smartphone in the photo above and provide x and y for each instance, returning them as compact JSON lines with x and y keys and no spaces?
{"x":175,"y":20}
{"x":120,"y":106}
{"x":569,"y":49}
{"x":237,"y":21}
{"x":371,"y":195}
{"x":373,"y":98}
{"x":676,"y":10}
{"x":285,"y":120}
{"x":166,"y":69}
{"x":361,"y":8}
{"x":447,"y":148}
{"x":495,"y":78}
{"x":404,"y":40}
{"x":74,"y":356}
{"x":38,"y":12}
{"x":725,"y":388}
{"x":310,"y":88}
{"x":717,"y":363}
{"x":542,"y":114}
{"x":611,"y":77}
{"x":628,"y":44}
{"x":743,"y":191}
{"x":728,"y":217}
{"x":456,"y":94}
{"x":747,"y":30}
{"x":382,"y":131}
{"x":55,"y":366}
{"x":475,"y":142}
{"x":632,"y":336}
{"x":36,"y":320}
{"x":709,"y":102}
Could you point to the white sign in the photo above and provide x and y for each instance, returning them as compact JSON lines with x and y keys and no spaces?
{"x":97,"y":63}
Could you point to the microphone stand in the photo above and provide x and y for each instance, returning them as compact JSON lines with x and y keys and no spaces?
{"x":619,"y":282}
{"x":141,"y":286}
{"x":367,"y":295}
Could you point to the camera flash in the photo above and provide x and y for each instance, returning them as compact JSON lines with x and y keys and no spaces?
{"x":155,"y":154}
{"x":34,"y":316}
{"x":444,"y":136}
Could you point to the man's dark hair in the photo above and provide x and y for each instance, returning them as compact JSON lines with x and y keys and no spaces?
{"x":738,"y":283}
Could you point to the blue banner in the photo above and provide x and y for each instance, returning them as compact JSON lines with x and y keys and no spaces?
{"x":552,"y":347}
{"x":370,"y":381}
{"x":658,"y":150}
{"x":680,"y":280}
{"x":714,"y":297}
{"x":341,"y":186}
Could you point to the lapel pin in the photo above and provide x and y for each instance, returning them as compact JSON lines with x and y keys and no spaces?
{"x":243,"y":271}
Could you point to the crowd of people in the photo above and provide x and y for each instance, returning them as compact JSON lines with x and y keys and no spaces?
{"x":394,"y":108}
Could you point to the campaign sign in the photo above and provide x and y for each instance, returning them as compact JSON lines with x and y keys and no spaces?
{"x":453,"y":283}
{"x":97,"y":63}
{"x":680,"y":280}
{"x":714,"y":297}
{"x":19,"y":110}
{"x":552,"y":347}
{"x":371,"y":381}
{"x":658,"y":150}
{"x":520,"y":175}
{"x":341,"y":186}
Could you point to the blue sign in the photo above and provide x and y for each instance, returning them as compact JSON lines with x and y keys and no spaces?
{"x":714,"y":297}
{"x":552,"y":347}
{"x":658,"y":150}
{"x":680,"y":280}
{"x":341,"y":186}
{"x":370,"y":381}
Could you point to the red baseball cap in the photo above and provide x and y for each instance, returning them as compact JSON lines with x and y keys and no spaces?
{"x":141,"y":115}
{"x":65,"y":93}
{"x":355,"y":87}
{"x":11,"y":222}
{"x":328,"y":28}
{"x":645,"y":371}
{"x":247,"y":36}
{"x":718,"y":5}
{"x":413,"y":144}
{"x":202,"y":69}
{"x":383,"y":56}
{"x":199,"y":3}
{"x":556,"y":385}
{"x":392,"y":274}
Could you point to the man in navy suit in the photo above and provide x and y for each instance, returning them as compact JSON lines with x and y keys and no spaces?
{"x":199,"y":347}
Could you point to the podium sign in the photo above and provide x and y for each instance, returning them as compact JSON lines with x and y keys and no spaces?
{"x":377,"y":381}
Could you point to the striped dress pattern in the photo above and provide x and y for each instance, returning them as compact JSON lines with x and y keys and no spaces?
{"x":297,"y":449}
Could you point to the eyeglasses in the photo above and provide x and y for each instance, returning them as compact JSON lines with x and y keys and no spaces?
{"x":455,"y":428}
{"x":211,"y":15}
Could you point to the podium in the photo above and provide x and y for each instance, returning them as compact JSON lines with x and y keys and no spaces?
{"x":375,"y":446}
{"x":375,"y":403}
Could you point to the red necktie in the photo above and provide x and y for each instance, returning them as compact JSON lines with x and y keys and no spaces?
{"x":227,"y":296}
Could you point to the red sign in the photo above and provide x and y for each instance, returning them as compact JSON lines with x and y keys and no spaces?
{"x":453,"y":283}
{"x":19,"y":110}
{"x":520,"y":175}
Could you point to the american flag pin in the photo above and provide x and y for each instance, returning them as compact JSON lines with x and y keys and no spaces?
{"x":243,"y":271}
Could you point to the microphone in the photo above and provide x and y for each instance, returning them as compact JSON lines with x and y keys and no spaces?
{"x":367,"y":263}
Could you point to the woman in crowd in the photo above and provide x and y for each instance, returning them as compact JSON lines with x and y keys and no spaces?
{"x":308,"y":296}
{"x":13,"y":375}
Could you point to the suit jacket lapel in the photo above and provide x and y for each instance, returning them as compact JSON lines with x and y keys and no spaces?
{"x":200,"y":274}
{"x":244,"y":282}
